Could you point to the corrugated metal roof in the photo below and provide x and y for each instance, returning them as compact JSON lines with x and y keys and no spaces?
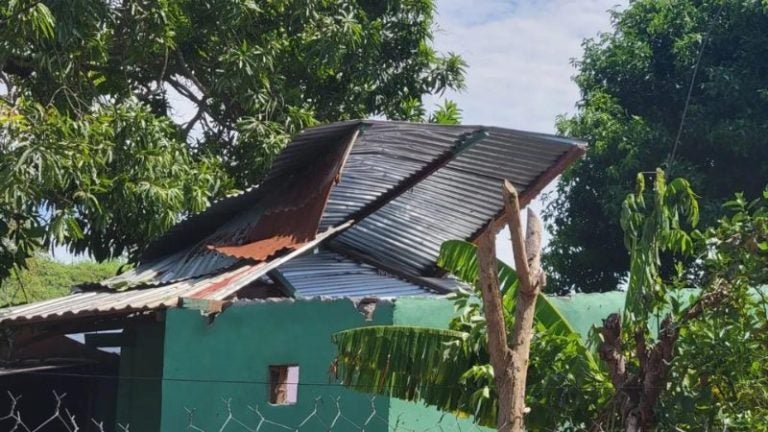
{"x":385,"y":155}
{"x":217,"y":286}
{"x":101,"y":302}
{"x":325,"y":274}
{"x":411,"y":186}
{"x":454,"y":202}
{"x":328,"y":274}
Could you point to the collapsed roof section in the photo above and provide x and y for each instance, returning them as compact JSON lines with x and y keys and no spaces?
{"x":377,"y":198}
{"x":401,"y":190}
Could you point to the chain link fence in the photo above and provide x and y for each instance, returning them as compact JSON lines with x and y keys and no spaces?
{"x":327,"y":414}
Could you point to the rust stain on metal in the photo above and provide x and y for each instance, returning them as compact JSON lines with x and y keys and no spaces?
{"x":212,"y":288}
{"x":293,"y":216}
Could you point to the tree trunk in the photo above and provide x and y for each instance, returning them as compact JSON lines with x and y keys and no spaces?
{"x":531,"y":278}
{"x":498,"y":350}
{"x":510,"y":364}
{"x":637,"y":393}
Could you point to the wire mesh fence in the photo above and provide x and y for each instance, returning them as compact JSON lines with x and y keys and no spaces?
{"x":328,"y":413}
{"x":59,"y":419}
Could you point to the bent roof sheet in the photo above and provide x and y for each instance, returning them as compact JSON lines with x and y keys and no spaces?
{"x":456,"y":201}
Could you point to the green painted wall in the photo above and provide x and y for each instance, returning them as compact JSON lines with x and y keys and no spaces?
{"x":425,"y":312}
{"x":141,"y":369}
{"x":208,"y":363}
{"x":585,"y":310}
{"x":228,"y":360}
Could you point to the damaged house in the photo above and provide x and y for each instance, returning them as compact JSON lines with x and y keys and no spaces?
{"x":232,"y":310}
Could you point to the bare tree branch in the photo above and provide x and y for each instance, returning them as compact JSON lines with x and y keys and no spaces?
{"x":200,"y":102}
{"x":527,"y":254}
{"x":191,"y":76}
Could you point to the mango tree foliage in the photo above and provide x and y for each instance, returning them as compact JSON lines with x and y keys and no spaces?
{"x":450,"y":368}
{"x":252,"y":73}
{"x":634,"y":80}
{"x":119,"y":117}
{"x":104,"y":182}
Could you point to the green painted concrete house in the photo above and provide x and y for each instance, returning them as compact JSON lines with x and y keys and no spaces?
{"x":232,"y":310}
{"x":207,"y":363}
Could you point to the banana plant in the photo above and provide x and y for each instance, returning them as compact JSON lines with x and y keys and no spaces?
{"x":449,"y":368}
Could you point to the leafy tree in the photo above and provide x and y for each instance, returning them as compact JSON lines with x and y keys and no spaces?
{"x":93,"y":153}
{"x":720,"y":377}
{"x":634,"y":82}
{"x":667,"y":354}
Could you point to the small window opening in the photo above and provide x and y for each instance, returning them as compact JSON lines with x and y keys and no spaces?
{"x":283,"y":384}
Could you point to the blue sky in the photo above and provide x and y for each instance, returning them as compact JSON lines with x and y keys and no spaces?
{"x":519,"y":55}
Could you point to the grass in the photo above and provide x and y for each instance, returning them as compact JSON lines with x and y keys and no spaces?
{"x":45,"y":278}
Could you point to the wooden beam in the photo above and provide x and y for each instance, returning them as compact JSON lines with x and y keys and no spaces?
{"x":282,"y":283}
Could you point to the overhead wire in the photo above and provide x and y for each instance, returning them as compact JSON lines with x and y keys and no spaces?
{"x":686,"y":105}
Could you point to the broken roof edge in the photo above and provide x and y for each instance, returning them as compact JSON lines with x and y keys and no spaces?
{"x":109,"y":304}
{"x":233,"y":203}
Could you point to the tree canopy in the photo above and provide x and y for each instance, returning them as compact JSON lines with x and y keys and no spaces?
{"x":634,"y":82}
{"x":96,"y":151}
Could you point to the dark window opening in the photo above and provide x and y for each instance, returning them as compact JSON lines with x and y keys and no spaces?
{"x":283,"y":384}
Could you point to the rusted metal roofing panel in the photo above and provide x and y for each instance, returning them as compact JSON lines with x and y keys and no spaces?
{"x":328,"y":274}
{"x":187,"y":264}
{"x":279,"y":216}
{"x":100,"y":302}
{"x":305,"y":148}
{"x":291,"y":217}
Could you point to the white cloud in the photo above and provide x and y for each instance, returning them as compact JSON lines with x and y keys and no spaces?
{"x":519,"y":55}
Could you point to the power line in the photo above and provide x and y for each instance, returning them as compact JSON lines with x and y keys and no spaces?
{"x":750,"y":383}
{"x":704,"y":42}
